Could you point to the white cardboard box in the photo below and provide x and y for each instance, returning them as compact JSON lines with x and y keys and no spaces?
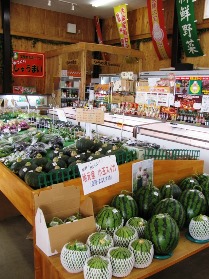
{"x":62,"y":202}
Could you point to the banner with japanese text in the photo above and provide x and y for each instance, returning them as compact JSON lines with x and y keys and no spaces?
{"x":122,"y":24}
{"x":99,"y":173}
{"x":157,"y":29}
{"x":187,"y":28}
{"x":28,"y":64}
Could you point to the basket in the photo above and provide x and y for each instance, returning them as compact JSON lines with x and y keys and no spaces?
{"x":171,"y":154}
{"x":61,"y":175}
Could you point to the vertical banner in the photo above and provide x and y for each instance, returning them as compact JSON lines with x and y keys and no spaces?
{"x":105,"y":55}
{"x":157,"y":29}
{"x":122,"y":24}
{"x":187,"y":28}
{"x":206,"y":9}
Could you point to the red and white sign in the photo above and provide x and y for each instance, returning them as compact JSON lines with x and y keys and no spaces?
{"x":28,"y":64}
{"x":98,"y":174}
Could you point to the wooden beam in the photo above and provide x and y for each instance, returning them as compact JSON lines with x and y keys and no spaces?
{"x":96,"y":47}
{"x":82,"y":86}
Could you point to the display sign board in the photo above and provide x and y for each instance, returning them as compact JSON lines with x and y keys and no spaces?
{"x":28,"y":64}
{"x":98,"y":174}
{"x":90,"y":116}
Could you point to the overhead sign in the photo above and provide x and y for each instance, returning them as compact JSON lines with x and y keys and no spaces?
{"x":188,"y":29}
{"x":157,"y":29}
{"x":98,"y":174}
{"x":28,"y":64}
{"x":122,"y":24}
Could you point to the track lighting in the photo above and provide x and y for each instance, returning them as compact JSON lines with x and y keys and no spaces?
{"x":49,"y":3}
{"x":68,"y":2}
{"x":72,"y":7}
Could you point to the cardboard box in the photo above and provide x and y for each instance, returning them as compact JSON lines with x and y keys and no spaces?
{"x":62,"y":202}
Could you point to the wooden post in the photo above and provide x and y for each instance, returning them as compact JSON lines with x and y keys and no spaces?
{"x":83,"y":75}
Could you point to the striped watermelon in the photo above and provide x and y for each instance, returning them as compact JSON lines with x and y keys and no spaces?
{"x":163,"y":232}
{"x":123,"y":236}
{"x":194,"y":203}
{"x":202,"y":178}
{"x":147,"y":197}
{"x":189,"y":183}
{"x":138,"y":224}
{"x":170,"y":190}
{"x":122,"y":261}
{"x":143,"y":252}
{"x":126,"y":204}
{"x":174,"y":208}
{"x":99,"y":243}
{"x":108,"y":219}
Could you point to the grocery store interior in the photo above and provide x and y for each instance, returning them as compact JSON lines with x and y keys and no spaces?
{"x":104,"y":117}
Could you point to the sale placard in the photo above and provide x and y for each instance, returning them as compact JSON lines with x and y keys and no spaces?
{"x":98,"y":174}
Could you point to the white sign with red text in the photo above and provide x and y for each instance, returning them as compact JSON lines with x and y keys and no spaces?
{"x":98,"y":174}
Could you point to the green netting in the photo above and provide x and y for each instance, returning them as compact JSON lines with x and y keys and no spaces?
{"x":171,"y":154}
{"x":61,"y":175}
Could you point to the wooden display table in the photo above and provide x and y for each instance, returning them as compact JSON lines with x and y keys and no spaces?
{"x":22,"y":197}
{"x":52,"y":268}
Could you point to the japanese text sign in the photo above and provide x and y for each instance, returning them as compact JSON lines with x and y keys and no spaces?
{"x":28,"y":64}
{"x":90,"y":116}
{"x":98,"y":174}
{"x":122,"y":24}
{"x":187,"y":28}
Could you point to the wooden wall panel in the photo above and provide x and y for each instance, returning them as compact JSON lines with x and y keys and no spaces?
{"x":40,"y":23}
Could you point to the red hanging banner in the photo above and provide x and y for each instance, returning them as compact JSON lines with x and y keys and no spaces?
{"x":157,"y":29}
{"x":105,"y":55}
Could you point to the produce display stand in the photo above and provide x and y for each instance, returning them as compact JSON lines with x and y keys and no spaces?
{"x":22,"y":196}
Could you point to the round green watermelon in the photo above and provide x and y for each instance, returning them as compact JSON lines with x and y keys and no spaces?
{"x":126,"y":204}
{"x":194,"y":203}
{"x":147,"y":197}
{"x":162,"y":230}
{"x":109,"y":219}
{"x":174,"y":208}
{"x":189,"y":183}
{"x":170,"y":190}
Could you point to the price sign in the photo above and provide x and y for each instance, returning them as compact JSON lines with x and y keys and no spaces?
{"x":98,"y":174}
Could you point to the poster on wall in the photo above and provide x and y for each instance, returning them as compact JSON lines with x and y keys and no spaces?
{"x":206,"y":9}
{"x":28,"y":64}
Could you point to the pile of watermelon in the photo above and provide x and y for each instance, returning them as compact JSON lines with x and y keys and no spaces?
{"x":134,"y":229}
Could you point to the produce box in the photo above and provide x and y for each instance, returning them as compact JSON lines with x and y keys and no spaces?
{"x":62,"y":202}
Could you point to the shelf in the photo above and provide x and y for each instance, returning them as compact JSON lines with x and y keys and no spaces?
{"x":74,"y":88}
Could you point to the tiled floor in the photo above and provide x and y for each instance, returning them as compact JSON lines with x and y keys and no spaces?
{"x":16,"y":256}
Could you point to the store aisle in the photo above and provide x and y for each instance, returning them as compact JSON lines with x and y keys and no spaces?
{"x":16,"y":252}
{"x":16,"y":256}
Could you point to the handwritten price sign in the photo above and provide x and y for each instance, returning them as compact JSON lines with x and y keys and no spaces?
{"x":98,"y":174}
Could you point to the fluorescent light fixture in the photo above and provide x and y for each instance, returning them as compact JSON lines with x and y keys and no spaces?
{"x":99,"y":3}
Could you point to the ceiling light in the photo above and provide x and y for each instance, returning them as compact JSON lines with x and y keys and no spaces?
{"x":68,"y":2}
{"x":98,"y":3}
{"x":49,"y":3}
{"x":73,"y":7}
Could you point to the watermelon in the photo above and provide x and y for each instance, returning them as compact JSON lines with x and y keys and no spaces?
{"x":163,"y":232}
{"x":126,"y":204}
{"x":194,"y":203}
{"x":122,"y":261}
{"x":170,"y":190}
{"x":99,"y":243}
{"x":189,"y":183}
{"x":124,"y":235}
{"x":202,"y":178}
{"x":73,"y":256}
{"x":143,"y":252}
{"x":138,"y":224}
{"x":174,"y":208}
{"x":199,"y":227}
{"x":109,"y":219}
{"x":147,"y":197}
